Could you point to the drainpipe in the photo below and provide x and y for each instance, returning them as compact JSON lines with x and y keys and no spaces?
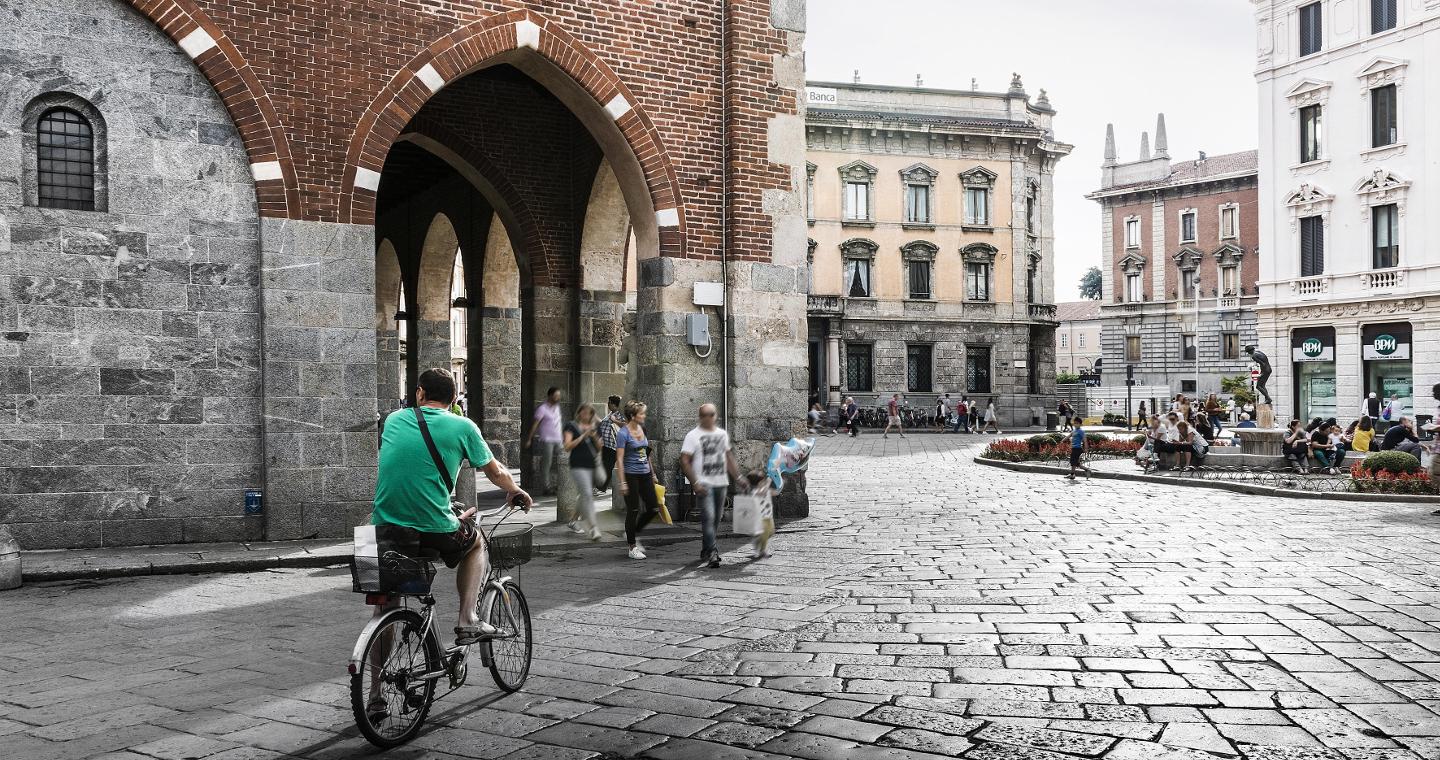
{"x":725,"y":212}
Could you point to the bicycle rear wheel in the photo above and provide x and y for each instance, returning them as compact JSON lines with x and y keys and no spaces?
{"x":389,"y":698}
{"x":509,"y":655}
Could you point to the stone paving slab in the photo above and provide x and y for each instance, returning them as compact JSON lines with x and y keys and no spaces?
{"x":940,"y":609}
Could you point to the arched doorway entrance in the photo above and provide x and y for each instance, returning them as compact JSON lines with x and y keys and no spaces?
{"x":505,"y":232}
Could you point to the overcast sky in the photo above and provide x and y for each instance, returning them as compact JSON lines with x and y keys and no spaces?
{"x":1120,"y":61}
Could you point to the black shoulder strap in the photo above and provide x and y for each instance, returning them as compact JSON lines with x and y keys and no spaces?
{"x":434,"y":452}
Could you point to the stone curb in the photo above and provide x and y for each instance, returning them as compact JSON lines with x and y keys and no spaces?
{"x":267,"y":558}
{"x":1245,"y":488}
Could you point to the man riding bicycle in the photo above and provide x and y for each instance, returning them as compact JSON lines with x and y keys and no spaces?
{"x":412,"y":491}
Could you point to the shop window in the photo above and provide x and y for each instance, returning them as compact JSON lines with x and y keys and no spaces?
{"x":1132,"y":349}
{"x":1384,"y":117}
{"x":1310,"y":134}
{"x":1385,"y":223}
{"x":858,"y":377}
{"x":977,"y":369}
{"x":1230,"y":345}
{"x":1312,"y":246}
{"x":918,"y":367}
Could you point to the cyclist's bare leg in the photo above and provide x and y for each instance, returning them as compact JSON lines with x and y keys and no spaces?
{"x":469,"y":576}
{"x":380,"y":652}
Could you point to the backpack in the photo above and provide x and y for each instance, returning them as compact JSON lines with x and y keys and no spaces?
{"x":1385,"y":415}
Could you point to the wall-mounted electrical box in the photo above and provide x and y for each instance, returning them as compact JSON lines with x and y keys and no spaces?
{"x":697,"y":329}
{"x":709,"y":294}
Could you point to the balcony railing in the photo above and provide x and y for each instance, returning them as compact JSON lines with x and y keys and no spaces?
{"x":1383,"y":279}
{"x":1044,"y":311}
{"x":1227,"y":303}
{"x":1310,"y":286}
{"x":1187,"y":304}
{"x":826,"y":305}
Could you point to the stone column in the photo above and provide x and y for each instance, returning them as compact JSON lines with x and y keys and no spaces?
{"x":499,"y":369}
{"x":1349,"y":367}
{"x":832,"y":371}
{"x":318,"y":304}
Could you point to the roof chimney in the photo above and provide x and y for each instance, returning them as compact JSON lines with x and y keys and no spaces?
{"x":974,"y":84}
{"x":1202,"y":155}
{"x":1110,"y":145}
{"x":1162,"y":146}
{"x":918,"y":81}
{"x":857,"y":76}
{"x":1144,"y":146}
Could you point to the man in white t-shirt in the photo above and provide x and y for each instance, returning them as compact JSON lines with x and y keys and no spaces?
{"x":709,"y":463}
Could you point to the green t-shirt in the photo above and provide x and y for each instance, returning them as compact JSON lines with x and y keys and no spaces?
{"x":409,"y":490}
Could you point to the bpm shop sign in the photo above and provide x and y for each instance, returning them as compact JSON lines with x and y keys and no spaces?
{"x":1384,"y":347}
{"x":1313,"y":350}
{"x":821,"y":96}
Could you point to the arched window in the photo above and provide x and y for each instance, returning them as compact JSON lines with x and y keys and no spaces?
{"x":64,"y":149}
{"x":65,"y":159}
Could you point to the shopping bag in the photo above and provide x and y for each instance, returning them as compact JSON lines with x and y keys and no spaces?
{"x":664,"y":510}
{"x":750,"y":512}
{"x":365,"y":564}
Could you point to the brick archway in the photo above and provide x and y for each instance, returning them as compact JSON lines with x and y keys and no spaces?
{"x":510,"y":37}
{"x":277,"y":190}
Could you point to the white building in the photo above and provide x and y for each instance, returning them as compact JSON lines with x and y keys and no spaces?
{"x":1349,"y":266}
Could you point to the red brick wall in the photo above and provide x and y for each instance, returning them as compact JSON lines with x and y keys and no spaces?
{"x":300,"y":78}
{"x":1207,"y":234}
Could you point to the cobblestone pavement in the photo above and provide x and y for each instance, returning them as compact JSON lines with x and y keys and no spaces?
{"x":960,"y":610}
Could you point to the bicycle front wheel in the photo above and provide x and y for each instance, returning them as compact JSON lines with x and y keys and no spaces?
{"x":389,"y":694}
{"x":509,"y":654}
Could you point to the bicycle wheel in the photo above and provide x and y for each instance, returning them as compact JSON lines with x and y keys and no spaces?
{"x":388,"y":695}
{"x":509,"y":655}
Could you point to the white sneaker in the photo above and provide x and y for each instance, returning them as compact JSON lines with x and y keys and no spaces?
{"x":635,"y":553}
{"x":575,"y":527}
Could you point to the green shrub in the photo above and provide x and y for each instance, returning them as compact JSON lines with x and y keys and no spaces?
{"x":1140,"y":439}
{"x":1094,"y":438}
{"x":1390,"y":461}
{"x":1114,"y":420}
{"x":1046,"y":439}
{"x":1066,"y":378}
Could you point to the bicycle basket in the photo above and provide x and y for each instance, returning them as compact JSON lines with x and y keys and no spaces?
{"x":391,"y":573}
{"x":510,"y":545}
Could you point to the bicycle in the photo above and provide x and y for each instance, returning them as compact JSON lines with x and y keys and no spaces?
{"x":398,"y":656}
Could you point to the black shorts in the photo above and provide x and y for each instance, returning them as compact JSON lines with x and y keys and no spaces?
{"x":1075,"y":457}
{"x":452,"y":547}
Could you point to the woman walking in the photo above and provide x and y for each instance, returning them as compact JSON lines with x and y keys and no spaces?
{"x":582,"y":440}
{"x":991,"y":419}
{"x":637,"y":481}
{"x":1141,"y":418}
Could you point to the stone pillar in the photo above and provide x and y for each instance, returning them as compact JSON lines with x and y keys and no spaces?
{"x":1349,"y":368}
{"x":499,"y":369}
{"x":601,"y":330}
{"x":833,"y":371}
{"x":432,"y":340}
{"x":552,"y":341}
{"x":318,"y":304}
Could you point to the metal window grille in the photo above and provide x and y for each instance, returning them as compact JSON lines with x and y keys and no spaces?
{"x":977,"y":369}
{"x":918,"y":369}
{"x":857,"y":369}
{"x":65,"y":156}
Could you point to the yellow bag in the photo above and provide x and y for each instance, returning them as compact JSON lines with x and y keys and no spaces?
{"x":660,"y":499}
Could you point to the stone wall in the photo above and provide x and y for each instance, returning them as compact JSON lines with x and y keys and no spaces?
{"x":129,"y":355}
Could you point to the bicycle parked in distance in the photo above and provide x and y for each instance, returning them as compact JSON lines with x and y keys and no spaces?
{"x":398,"y":661}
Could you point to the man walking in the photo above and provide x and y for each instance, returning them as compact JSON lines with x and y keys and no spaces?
{"x":962,"y":415}
{"x":548,"y":425}
{"x":852,"y":416}
{"x":613,"y":421}
{"x":892,"y":409}
{"x":709,"y":463}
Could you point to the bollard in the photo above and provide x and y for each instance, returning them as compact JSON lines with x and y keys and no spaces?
{"x":9,"y":560}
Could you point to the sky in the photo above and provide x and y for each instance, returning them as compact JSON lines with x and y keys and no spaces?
{"x":1100,"y":61}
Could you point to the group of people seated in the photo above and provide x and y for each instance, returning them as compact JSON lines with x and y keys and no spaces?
{"x":1321,"y":446}
{"x":1182,"y":432}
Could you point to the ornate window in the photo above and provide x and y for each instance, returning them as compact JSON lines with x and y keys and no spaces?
{"x":1385,"y":236}
{"x":1311,"y":134}
{"x":65,"y":157}
{"x":1229,"y":221}
{"x":919,"y":184}
{"x":979,"y":270}
{"x":1227,"y":259}
{"x":1032,"y":202}
{"x":1032,"y":278}
{"x":1132,"y":267}
{"x":859,"y":256}
{"x":1187,"y":261}
{"x":1312,"y":246}
{"x":979,"y":183}
{"x":1384,"y":121}
{"x":858,"y":375}
{"x":858,"y":179}
{"x":919,"y":257}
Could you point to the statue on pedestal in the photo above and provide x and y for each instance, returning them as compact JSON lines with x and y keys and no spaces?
{"x":1261,"y":359}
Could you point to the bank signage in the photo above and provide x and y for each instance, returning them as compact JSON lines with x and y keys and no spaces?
{"x":1385,"y":347}
{"x":1313,"y":350}
{"x":821,"y":96}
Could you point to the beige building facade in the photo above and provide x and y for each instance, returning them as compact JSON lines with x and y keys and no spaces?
{"x":1077,"y":338}
{"x":931,"y":245}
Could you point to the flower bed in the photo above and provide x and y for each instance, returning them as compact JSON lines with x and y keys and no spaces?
{"x":1385,"y":481}
{"x":1043,"y":450}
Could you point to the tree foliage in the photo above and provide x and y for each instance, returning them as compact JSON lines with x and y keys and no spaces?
{"x":1090,"y":284}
